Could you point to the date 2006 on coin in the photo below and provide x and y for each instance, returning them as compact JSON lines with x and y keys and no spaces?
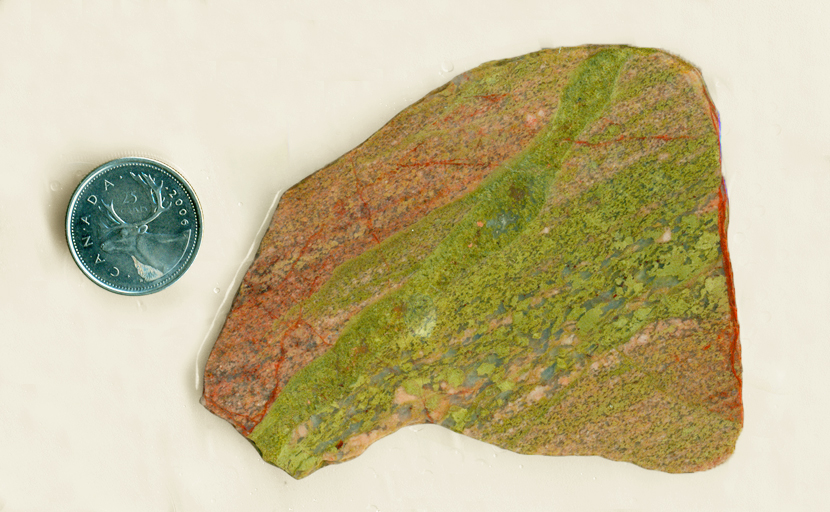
{"x":133,"y":226}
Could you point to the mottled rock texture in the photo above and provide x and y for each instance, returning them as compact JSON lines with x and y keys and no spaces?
{"x":533,"y":255}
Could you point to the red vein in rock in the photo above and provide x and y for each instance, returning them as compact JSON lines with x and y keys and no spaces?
{"x":492,"y":98}
{"x":303,"y":251}
{"x":277,"y":388}
{"x":415,"y":148}
{"x":300,"y":321}
{"x":492,"y":102}
{"x":255,"y":299}
{"x":313,"y":330}
{"x":730,"y":284}
{"x":713,"y":112}
{"x":367,"y":211}
{"x":277,"y":367}
{"x":426,"y":410}
{"x":452,"y":162}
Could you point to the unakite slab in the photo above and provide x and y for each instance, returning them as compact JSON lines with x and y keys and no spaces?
{"x":533,"y":255}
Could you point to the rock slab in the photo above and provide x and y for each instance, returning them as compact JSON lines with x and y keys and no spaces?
{"x":533,"y":255}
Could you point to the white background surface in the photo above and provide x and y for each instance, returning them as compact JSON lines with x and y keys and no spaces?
{"x":99,"y":393}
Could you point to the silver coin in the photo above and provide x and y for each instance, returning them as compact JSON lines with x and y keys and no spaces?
{"x":133,"y":226}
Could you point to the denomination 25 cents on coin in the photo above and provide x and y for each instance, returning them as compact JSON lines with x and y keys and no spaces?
{"x":134,"y":226}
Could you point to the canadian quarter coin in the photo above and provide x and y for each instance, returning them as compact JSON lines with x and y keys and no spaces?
{"x":133,"y":226}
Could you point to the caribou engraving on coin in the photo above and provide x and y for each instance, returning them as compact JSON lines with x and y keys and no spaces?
{"x":133,"y":226}
{"x":154,"y":254}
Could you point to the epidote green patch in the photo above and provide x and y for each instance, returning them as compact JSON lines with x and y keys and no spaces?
{"x":510,"y":294}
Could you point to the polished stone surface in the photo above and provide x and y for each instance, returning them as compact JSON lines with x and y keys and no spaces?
{"x":533,"y":255}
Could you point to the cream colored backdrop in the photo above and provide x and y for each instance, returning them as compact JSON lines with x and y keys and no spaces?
{"x":99,"y":393}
